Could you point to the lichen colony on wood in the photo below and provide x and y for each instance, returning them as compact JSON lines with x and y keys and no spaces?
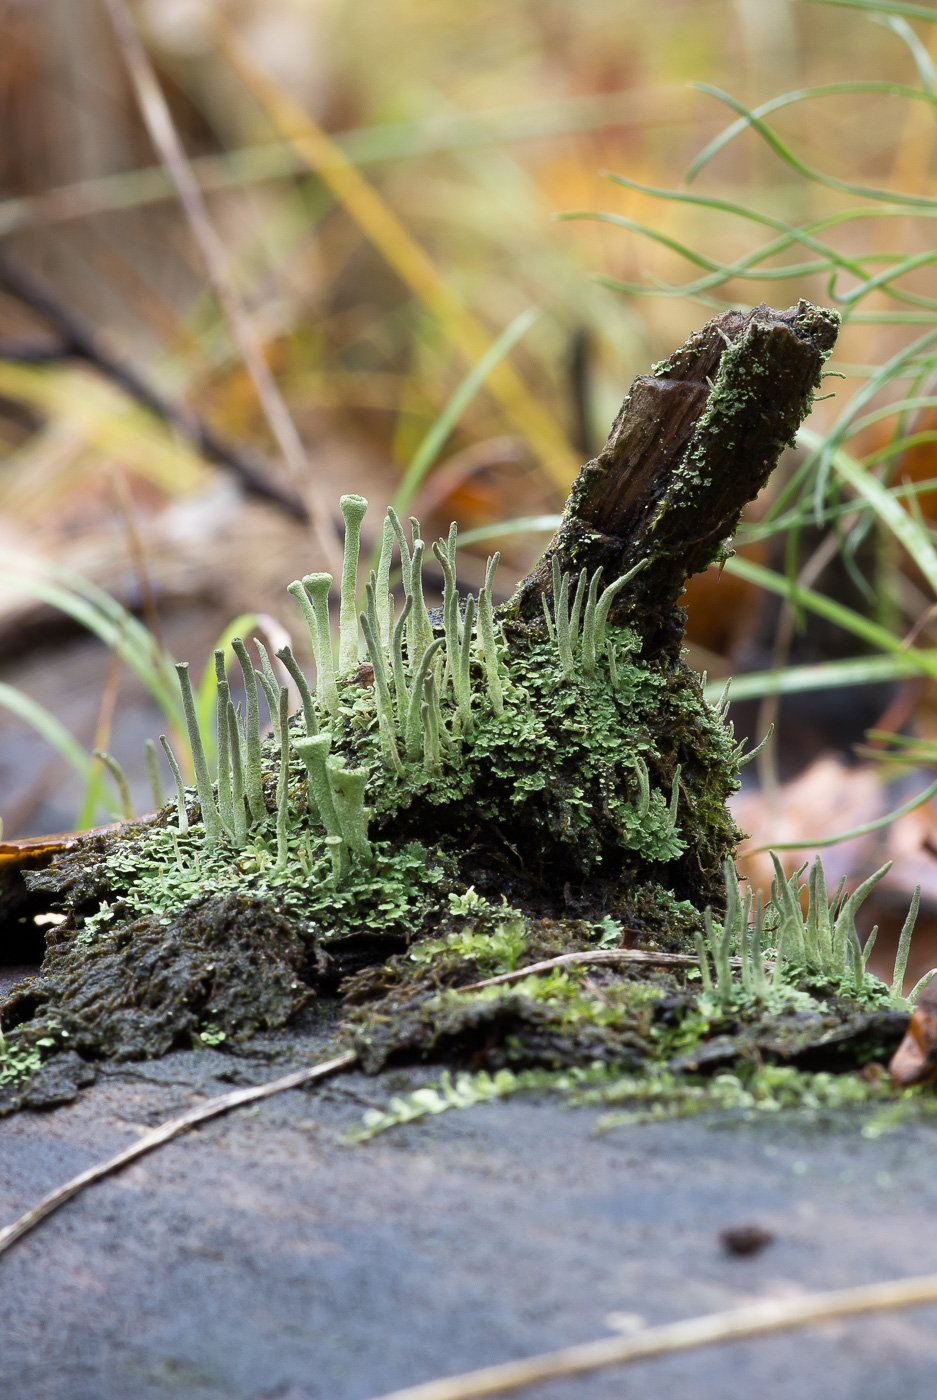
{"x":492,"y":784}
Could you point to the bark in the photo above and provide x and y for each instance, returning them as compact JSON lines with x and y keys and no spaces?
{"x":695,"y":441}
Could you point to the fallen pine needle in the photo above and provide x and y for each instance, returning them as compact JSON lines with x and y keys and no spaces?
{"x":165,"y":1133}
{"x":773,"y":1315}
{"x":602,"y":955}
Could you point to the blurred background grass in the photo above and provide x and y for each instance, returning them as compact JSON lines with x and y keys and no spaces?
{"x":382,"y":183}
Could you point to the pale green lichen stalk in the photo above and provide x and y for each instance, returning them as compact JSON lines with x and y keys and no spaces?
{"x":822,"y":944}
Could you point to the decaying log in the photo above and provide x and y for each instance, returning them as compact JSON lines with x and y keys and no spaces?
{"x":695,"y":441}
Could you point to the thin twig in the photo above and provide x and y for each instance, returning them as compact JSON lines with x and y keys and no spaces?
{"x":165,"y":1133}
{"x":79,"y":341}
{"x":159,"y":123}
{"x":773,"y":1315}
{"x":602,"y":955}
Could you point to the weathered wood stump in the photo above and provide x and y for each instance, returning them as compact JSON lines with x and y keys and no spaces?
{"x":533,"y":774}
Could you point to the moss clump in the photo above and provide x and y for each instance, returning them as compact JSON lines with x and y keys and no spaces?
{"x":465,"y":792}
{"x":552,"y":767}
{"x":143,"y":986}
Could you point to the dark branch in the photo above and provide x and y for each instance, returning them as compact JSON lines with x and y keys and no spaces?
{"x":78,"y":341}
{"x":694,"y":442}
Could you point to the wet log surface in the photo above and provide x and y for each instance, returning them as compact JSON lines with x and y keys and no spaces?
{"x":258,"y":1258}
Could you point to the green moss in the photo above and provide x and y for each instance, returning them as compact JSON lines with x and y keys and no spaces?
{"x":494,"y":797}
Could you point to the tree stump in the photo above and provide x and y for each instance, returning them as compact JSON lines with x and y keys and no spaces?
{"x":524,"y":778}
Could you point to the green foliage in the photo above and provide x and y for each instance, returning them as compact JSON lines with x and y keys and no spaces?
{"x":18,"y":1061}
{"x":846,"y":476}
{"x":820,"y":945}
{"x":335,"y":814}
{"x":655,"y":1096}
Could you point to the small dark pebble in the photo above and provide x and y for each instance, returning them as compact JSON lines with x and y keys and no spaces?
{"x":744,"y":1239}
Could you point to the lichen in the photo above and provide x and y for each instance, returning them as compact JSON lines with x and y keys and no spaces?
{"x":463,"y":793}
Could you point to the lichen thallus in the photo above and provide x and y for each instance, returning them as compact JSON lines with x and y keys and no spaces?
{"x":426,"y":707}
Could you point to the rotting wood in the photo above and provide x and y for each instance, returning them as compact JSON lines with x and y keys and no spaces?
{"x":695,"y":441}
{"x":572,"y":777}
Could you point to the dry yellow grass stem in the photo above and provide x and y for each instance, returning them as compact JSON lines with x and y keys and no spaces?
{"x":773,"y":1315}
{"x":165,"y":138}
{"x":409,"y":260}
{"x":165,"y":1133}
{"x":602,"y":955}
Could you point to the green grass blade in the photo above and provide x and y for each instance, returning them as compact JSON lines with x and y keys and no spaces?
{"x":908,"y":531}
{"x":50,"y":728}
{"x":103,"y":616}
{"x":810,"y":172}
{"x":850,"y":621}
{"x":799,"y":95}
{"x":888,"y":7}
{"x":435,"y":439}
{"x":522,"y":525}
{"x":824,"y":675}
{"x":863,"y":830}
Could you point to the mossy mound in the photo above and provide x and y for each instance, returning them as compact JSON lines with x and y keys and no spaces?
{"x":583,"y":797}
{"x":231,"y":967}
{"x":468,"y":791}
